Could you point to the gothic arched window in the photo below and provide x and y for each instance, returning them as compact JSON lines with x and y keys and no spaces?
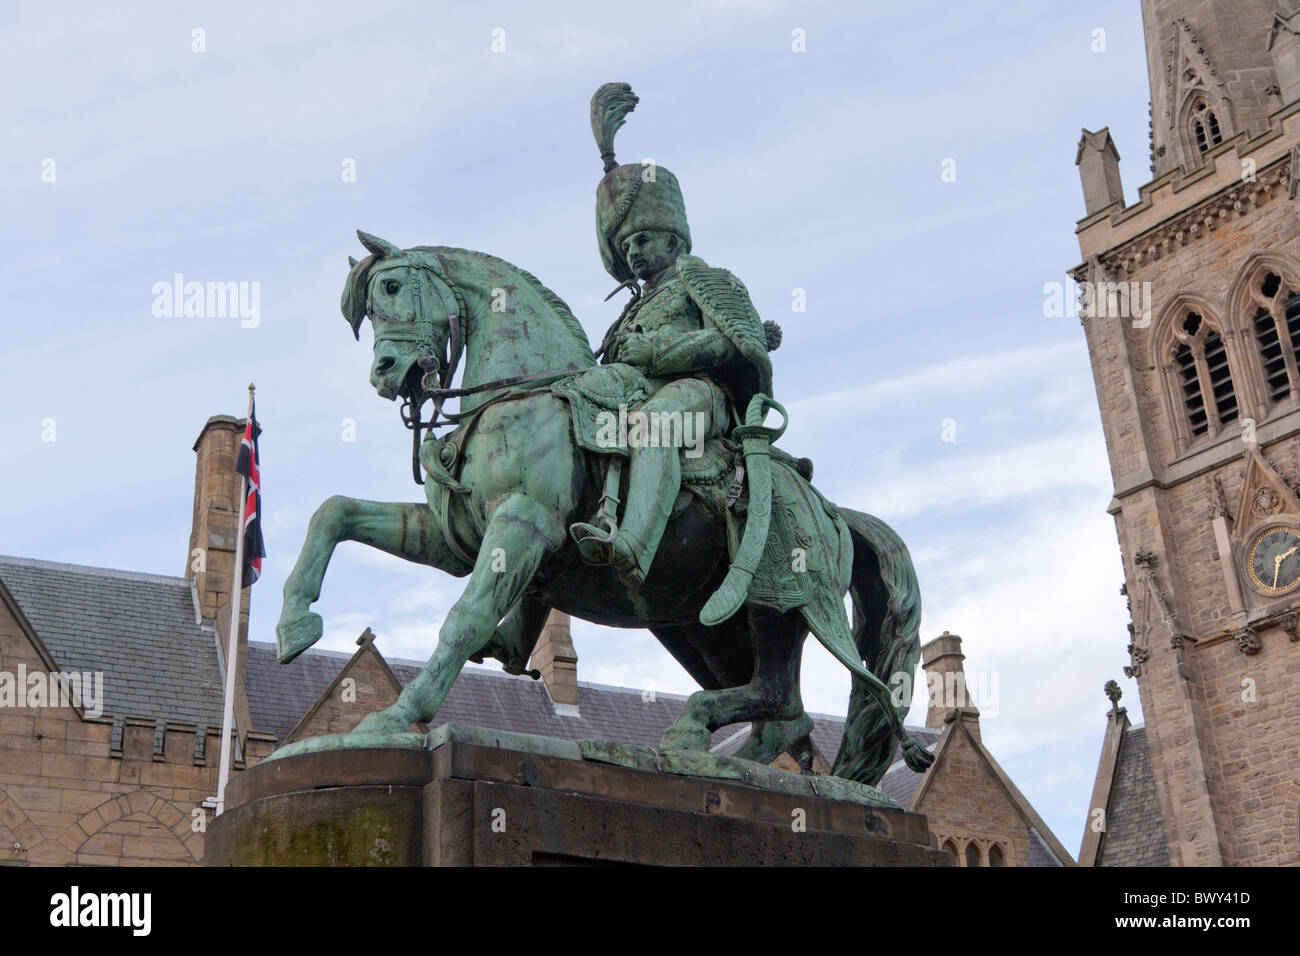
{"x":972,"y":855}
{"x":1276,"y":324}
{"x":995,"y":856}
{"x":1203,"y":378}
{"x":1205,"y":127}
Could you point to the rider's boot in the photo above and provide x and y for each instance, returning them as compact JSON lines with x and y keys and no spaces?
{"x":652,"y":487}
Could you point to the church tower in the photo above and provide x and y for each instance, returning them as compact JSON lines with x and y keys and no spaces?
{"x":1190,"y":303}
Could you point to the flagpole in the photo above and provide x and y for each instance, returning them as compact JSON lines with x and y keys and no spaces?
{"x":232,"y":649}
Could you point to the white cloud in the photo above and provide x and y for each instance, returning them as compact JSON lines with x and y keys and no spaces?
{"x":992,"y":477}
{"x":962,"y":374}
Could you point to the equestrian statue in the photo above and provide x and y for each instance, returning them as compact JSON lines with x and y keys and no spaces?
{"x":643,"y":490}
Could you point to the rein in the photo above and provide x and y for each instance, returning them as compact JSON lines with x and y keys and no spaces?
{"x":436,"y":387}
{"x":412,"y":413}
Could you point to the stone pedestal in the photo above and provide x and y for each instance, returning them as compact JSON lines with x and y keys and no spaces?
{"x":481,"y":798}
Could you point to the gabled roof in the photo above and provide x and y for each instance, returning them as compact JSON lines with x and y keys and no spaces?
{"x":139,"y":630}
{"x":1135,"y":827}
{"x":1124,"y":800}
{"x":366,"y":648}
{"x":1044,"y":848}
{"x":1040,"y":854}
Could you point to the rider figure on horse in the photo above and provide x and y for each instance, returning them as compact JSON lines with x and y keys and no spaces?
{"x":690,"y":329}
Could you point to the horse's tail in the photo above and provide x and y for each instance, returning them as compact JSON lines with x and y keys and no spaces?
{"x":886,"y":629}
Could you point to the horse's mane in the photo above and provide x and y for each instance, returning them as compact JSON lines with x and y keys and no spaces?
{"x":551,"y":299}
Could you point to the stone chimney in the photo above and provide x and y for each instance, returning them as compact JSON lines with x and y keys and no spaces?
{"x":945,"y":678}
{"x":210,"y":562}
{"x":555,"y":657}
{"x":1098,"y":162}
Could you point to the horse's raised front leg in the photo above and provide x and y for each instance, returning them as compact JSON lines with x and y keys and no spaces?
{"x":408,"y":531}
{"x":520,"y":535}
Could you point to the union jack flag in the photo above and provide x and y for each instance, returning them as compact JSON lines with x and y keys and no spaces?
{"x":248,"y":466}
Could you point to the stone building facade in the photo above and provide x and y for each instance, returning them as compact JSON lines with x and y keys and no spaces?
{"x":1191,"y":310}
{"x":975,"y":811}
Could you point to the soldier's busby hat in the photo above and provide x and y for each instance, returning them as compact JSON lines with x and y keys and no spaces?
{"x":633,"y":197}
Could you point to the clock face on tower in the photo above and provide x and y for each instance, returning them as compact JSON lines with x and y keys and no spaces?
{"x":1273,"y":559}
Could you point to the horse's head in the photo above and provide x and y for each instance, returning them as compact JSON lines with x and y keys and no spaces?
{"x":416,"y":316}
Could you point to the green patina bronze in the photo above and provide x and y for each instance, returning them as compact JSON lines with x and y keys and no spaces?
{"x":713,"y":538}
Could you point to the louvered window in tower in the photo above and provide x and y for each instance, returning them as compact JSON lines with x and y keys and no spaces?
{"x":1216,"y":360}
{"x":1203,"y":377}
{"x":1193,"y":400}
{"x":1277,"y":333}
{"x":1270,"y":354}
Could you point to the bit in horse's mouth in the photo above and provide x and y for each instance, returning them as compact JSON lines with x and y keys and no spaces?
{"x":412,"y":385}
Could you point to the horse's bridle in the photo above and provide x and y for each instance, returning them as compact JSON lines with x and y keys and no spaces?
{"x":433,"y":386}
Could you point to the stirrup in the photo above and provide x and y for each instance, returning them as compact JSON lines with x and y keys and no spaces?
{"x":595,"y":546}
{"x":601,"y":549}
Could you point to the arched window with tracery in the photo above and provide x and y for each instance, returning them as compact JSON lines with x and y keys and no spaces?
{"x":972,"y":855}
{"x":1204,"y":121}
{"x":1205,"y":127}
{"x":1202,"y":377}
{"x":996,"y":857}
{"x":951,"y":848}
{"x":1275,"y":321}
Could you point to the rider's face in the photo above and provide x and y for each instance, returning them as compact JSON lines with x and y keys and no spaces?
{"x":649,"y":253}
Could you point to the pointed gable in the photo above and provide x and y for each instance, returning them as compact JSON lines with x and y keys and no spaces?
{"x":973,"y":806}
{"x":361,"y":686}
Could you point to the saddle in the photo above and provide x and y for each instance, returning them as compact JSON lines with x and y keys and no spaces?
{"x":803,"y":524}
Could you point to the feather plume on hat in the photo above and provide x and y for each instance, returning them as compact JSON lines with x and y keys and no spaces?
{"x":609,"y":108}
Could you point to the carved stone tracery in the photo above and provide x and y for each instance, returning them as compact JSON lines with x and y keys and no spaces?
{"x":1152,"y":611}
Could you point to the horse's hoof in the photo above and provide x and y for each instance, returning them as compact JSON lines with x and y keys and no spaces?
{"x":686,"y":739}
{"x":295,"y":635}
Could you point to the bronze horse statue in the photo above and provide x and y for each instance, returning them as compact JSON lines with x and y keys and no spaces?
{"x":502,"y":491}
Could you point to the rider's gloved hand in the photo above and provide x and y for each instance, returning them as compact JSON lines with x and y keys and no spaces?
{"x":635,"y":348}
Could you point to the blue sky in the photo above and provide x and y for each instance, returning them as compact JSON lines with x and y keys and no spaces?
{"x":816,"y":170}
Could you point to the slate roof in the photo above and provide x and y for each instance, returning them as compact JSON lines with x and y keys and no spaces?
{"x":1039,"y":852}
{"x":278,"y":696}
{"x":159,"y":664}
{"x":138,"y":629}
{"x":1135,"y":828}
{"x":900,"y":781}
